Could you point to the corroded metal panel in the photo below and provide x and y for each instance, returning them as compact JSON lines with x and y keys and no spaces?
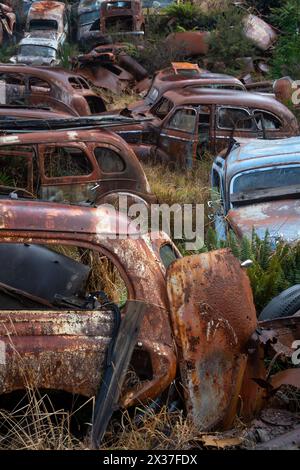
{"x":213,"y":318}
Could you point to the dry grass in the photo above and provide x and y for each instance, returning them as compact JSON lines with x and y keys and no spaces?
{"x":120,"y":101}
{"x":37,"y":425}
{"x":158,"y":431}
{"x":178,"y":186}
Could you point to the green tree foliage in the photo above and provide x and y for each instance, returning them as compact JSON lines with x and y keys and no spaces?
{"x":188,"y":16}
{"x":228,"y":42}
{"x":286,"y":56}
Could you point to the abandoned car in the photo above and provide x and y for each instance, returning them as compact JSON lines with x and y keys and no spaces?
{"x":257,"y":187}
{"x":84,"y":166}
{"x":57,"y":331}
{"x":49,"y":20}
{"x":112,"y":68}
{"x":88,"y":13}
{"x":12,"y":113}
{"x":117,"y":17}
{"x":7,"y":24}
{"x":184,"y":75}
{"x":37,"y":51}
{"x":187,"y":123}
{"x":57,"y":89}
{"x":122,"y":17}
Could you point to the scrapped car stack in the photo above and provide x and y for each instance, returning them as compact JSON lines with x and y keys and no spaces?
{"x":184,"y":327}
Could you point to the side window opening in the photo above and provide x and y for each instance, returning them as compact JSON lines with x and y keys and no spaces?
{"x":56,"y":277}
{"x":162,"y":109}
{"x":95,"y":104}
{"x":184,"y":120}
{"x":109,"y":161}
{"x":36,"y":84}
{"x":216,"y":192}
{"x":240,"y":119}
{"x":167,"y":255}
{"x":203,"y":130}
{"x":18,"y":168}
{"x":66,"y":161}
{"x":266,"y":120}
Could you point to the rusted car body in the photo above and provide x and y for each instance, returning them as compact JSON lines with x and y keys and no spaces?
{"x":7,"y":23}
{"x":122,"y":17}
{"x":58,"y":89}
{"x":34,"y":50}
{"x":185,"y":124}
{"x":88,"y":13}
{"x":257,"y":188}
{"x":110,"y":67}
{"x":116,"y":18}
{"x":184,"y":75}
{"x":206,"y":334}
{"x":46,"y":31}
{"x":189,"y":43}
{"x":84,"y":166}
{"x":14,"y":112}
{"x":48,"y":19}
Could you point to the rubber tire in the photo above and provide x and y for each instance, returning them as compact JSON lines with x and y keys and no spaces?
{"x":286,"y":304}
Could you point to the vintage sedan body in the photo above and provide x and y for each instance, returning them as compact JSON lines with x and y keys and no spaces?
{"x":58,"y":89}
{"x":46,"y":17}
{"x":122,"y":17}
{"x":187,"y":123}
{"x":88,"y":16}
{"x":34,"y":50}
{"x":73,"y":167}
{"x":257,"y":187}
{"x":184,"y":75}
{"x":61,"y":343}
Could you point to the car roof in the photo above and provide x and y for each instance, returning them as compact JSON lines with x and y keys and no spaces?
{"x":224,"y":96}
{"x":30,"y":112}
{"x":188,"y":96}
{"x":47,"y":8}
{"x":60,"y":136}
{"x":64,"y":218}
{"x":260,"y":153}
{"x":56,"y":74}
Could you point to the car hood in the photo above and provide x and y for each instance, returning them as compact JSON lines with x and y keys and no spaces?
{"x":281,"y":218}
{"x":34,"y":60}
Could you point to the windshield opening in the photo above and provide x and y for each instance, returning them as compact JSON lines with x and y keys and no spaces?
{"x":49,"y":25}
{"x":89,"y":17}
{"x":258,"y":183}
{"x":37,"y":51}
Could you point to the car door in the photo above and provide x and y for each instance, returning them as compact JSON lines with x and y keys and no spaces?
{"x":233,"y":121}
{"x":69,"y":173}
{"x":178,"y":138}
{"x":216,"y":203}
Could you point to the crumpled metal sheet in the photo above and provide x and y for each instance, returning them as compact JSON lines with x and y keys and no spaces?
{"x":213,"y":318}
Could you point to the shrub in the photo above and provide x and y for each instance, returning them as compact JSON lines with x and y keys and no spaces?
{"x":188,"y":16}
{"x":227,"y":42}
{"x":286,"y":56}
{"x":156,"y":54}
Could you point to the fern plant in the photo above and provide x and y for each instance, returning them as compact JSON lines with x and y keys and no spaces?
{"x":273,"y":270}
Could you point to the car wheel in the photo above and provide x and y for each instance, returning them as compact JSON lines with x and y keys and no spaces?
{"x":286,"y":304}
